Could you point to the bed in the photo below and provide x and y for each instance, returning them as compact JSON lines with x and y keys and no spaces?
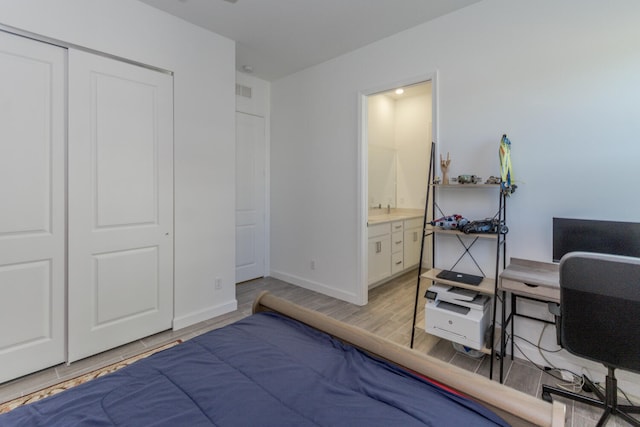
{"x":288,"y":366}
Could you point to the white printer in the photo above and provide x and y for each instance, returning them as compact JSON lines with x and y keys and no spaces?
{"x":457,"y":314}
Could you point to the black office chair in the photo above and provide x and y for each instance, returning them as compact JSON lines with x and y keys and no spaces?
{"x":600,"y":320}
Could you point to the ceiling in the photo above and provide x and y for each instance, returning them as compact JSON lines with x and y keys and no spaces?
{"x":280,"y":37}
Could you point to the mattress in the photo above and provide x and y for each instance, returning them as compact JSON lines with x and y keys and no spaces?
{"x":265,"y":370}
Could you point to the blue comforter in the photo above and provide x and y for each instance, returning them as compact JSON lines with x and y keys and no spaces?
{"x":265,"y":370}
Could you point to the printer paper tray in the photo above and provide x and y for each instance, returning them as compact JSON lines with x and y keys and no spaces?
{"x":450,"y":336}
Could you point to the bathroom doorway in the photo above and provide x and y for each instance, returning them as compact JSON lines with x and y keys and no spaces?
{"x":397,"y":126}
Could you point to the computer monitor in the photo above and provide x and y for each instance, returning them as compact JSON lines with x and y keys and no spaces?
{"x":609,"y":237}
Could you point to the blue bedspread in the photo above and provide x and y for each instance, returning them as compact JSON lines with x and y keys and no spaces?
{"x":265,"y":370}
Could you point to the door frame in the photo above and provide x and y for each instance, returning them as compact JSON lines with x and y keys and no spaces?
{"x":362,"y":291}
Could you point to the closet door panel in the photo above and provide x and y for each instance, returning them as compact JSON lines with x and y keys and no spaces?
{"x":32,"y":220}
{"x":125,"y":171}
{"x":120,"y":203}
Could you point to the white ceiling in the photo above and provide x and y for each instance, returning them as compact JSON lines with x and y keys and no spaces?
{"x":279,"y":37}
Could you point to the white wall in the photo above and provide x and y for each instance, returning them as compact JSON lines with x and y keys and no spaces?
{"x":258,"y":104}
{"x":560,"y":78}
{"x":204,"y":108}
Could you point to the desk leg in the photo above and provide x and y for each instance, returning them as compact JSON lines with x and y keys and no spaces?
{"x":502,"y":334}
{"x":494,"y":351}
{"x":493,"y":338}
{"x":513,"y":318}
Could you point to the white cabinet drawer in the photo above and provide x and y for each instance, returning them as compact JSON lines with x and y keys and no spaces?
{"x":397,"y":242}
{"x":521,"y":288}
{"x":379,"y":229}
{"x":397,"y":226}
{"x":397,"y":263}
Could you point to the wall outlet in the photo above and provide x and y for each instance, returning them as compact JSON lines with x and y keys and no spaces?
{"x":218,"y":283}
{"x":313,"y":264}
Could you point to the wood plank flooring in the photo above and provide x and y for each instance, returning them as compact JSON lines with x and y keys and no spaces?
{"x":389,"y":314}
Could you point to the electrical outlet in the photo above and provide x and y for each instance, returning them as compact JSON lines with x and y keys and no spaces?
{"x":218,"y":284}
{"x":313,"y":264}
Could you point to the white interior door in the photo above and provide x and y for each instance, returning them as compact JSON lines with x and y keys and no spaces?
{"x":250,"y":196}
{"x":32,"y":205}
{"x":120,"y":203}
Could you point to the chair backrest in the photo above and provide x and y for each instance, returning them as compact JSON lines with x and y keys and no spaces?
{"x":600,"y":308}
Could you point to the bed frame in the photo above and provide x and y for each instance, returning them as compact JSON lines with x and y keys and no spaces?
{"x":513,"y":406}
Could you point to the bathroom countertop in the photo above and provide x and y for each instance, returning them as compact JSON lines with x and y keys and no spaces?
{"x":379,"y":216}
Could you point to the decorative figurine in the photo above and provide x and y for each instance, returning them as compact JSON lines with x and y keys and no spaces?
{"x":444,"y":166}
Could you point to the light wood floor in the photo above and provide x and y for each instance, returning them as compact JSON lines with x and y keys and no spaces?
{"x":389,"y":314}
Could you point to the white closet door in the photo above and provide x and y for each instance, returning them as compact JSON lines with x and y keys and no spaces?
{"x":32,"y":205}
{"x":250,"y":196}
{"x":120,"y":203}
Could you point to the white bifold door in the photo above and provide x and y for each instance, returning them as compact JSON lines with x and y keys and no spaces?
{"x":120,"y":190}
{"x":32,"y":206}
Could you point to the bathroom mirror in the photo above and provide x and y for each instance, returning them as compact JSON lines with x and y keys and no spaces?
{"x":398,"y":140}
{"x":382,"y":182}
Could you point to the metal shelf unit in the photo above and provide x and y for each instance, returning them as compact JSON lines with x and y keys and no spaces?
{"x":489,"y":285}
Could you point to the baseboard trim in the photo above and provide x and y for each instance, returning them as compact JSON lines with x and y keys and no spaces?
{"x":316,"y":287}
{"x":205,"y":314}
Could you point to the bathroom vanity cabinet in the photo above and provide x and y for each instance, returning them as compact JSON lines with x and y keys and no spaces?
{"x":393,"y":246}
